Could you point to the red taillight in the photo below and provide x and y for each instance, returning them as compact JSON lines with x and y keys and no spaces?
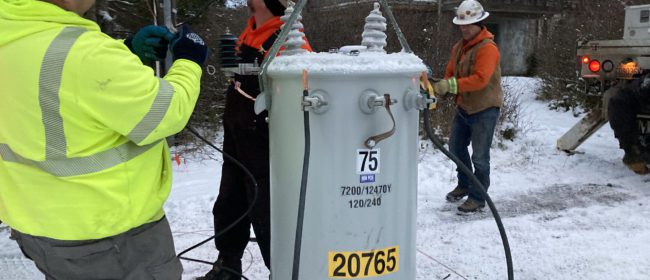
{"x":585,"y":59}
{"x":594,"y":66}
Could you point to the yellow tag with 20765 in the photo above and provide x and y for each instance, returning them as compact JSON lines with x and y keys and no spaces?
{"x":363,"y":264}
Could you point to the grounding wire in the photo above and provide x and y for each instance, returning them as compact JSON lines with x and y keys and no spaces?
{"x":440,"y":263}
{"x":297,"y":247}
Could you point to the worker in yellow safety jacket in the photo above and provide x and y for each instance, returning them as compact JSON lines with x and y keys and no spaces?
{"x":84,"y":167}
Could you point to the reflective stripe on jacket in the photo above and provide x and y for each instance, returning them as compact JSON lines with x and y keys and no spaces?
{"x":82,"y":126}
{"x":475,"y":65}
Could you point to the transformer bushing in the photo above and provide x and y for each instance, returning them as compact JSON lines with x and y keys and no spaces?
{"x":374,"y":33}
{"x":295,"y":40}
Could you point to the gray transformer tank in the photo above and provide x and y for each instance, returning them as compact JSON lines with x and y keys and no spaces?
{"x":360,"y":206}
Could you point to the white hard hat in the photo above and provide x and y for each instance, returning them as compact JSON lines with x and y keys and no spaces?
{"x":470,"y":11}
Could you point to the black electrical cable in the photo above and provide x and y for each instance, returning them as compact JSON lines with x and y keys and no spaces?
{"x":476,"y":184}
{"x":297,"y":247}
{"x":248,"y":211}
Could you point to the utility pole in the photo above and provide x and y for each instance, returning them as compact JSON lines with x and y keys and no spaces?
{"x":438,"y":23}
{"x":165,"y":18}
{"x":165,"y":15}
{"x":169,"y":19}
{"x":169,"y":14}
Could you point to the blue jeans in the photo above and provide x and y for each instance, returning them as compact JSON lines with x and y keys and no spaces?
{"x":477,"y":129}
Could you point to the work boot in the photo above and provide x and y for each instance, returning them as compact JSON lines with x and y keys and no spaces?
{"x":471,"y":205}
{"x":634,"y":161}
{"x":223,"y":270}
{"x":457,"y":194}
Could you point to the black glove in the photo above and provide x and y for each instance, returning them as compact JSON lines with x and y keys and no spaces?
{"x":150,"y":43}
{"x":189,"y":45}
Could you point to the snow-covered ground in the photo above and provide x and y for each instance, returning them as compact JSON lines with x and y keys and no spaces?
{"x":567,"y":217}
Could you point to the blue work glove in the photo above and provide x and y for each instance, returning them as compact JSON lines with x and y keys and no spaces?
{"x":189,"y":45}
{"x":150,"y":43}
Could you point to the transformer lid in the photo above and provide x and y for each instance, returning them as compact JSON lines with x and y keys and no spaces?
{"x":361,"y":63}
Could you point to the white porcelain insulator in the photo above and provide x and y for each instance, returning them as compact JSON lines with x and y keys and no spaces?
{"x":295,"y":39}
{"x":374,"y":33}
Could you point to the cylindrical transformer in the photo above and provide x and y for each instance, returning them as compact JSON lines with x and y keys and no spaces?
{"x":360,"y":200}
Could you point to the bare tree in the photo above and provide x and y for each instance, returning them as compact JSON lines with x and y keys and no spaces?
{"x":556,"y":56}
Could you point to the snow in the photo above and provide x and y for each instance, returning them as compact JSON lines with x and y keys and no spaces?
{"x":366,"y":62}
{"x":235,"y":3}
{"x":567,"y":217}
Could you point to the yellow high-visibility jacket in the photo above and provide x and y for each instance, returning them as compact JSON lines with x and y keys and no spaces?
{"x":82,"y":126}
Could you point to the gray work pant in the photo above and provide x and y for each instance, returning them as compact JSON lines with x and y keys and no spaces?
{"x":143,"y":253}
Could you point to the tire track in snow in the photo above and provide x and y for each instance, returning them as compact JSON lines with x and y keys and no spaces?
{"x":555,"y":198}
